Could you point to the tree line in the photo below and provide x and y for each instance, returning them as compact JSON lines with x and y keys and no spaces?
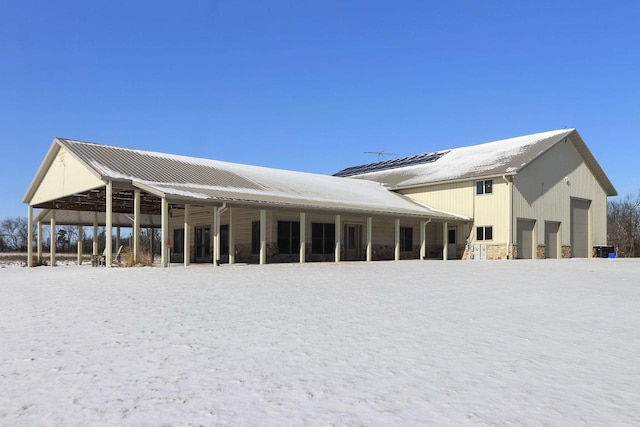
{"x":14,"y":237}
{"x":623,"y":232}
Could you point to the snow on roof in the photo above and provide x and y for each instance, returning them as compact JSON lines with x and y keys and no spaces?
{"x":181,"y":177}
{"x":504,"y":157}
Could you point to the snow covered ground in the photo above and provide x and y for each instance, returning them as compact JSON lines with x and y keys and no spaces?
{"x":553,"y":342}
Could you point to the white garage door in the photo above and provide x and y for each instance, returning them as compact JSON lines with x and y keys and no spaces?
{"x":580,"y":228}
{"x":525,"y":238}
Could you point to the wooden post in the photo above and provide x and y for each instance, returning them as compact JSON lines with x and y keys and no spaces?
{"x":164,"y":232}
{"x":369,"y":239}
{"x":232,"y":242}
{"x":109,"y":224}
{"x":423,"y":239}
{"x":52,"y":249}
{"x":30,"y":236}
{"x":303,"y":237}
{"x":136,"y":226}
{"x":80,"y":240}
{"x":187,"y":248}
{"x":397,"y":240}
{"x":263,"y":236}
{"x":336,"y":251}
{"x":445,"y":241}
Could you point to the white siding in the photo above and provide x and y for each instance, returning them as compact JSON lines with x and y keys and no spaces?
{"x":65,"y":176}
{"x":455,"y":197}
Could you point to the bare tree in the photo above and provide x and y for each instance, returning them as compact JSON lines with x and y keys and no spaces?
{"x":623,"y":230}
{"x":14,"y":233}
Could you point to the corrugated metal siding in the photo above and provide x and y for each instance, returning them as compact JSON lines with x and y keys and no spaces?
{"x":541,"y":192}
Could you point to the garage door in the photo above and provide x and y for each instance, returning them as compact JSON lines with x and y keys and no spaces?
{"x":525,"y":238}
{"x":580,"y":228}
{"x":551,"y":239}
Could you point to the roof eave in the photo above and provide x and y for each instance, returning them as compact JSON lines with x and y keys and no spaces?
{"x":593,"y":164}
{"x":452,"y":181}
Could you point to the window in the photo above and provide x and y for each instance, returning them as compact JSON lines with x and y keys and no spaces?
{"x":406,"y":239}
{"x":178,"y":241}
{"x":255,"y":237}
{"x":323,"y":238}
{"x":288,"y":237}
{"x":484,"y":187}
{"x":224,"y":239}
{"x":484,"y":233}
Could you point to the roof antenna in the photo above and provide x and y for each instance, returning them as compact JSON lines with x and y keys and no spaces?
{"x":380,"y":154}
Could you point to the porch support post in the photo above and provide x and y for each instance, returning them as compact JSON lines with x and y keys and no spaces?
{"x":80,"y":241}
{"x":117,"y":237}
{"x":445,"y":241}
{"x":369,"y":239}
{"x":30,"y":236}
{"x":336,"y":252}
{"x":164,"y":232}
{"x":109,"y":224}
{"x":263,"y":236}
{"x":397,"y":240}
{"x":39,"y":242}
{"x":303,"y":237}
{"x":136,"y":226}
{"x":423,"y":239}
{"x":216,"y":233}
{"x":95,"y":233}
{"x":52,"y":249}
{"x":232,"y":242}
{"x":187,"y":249}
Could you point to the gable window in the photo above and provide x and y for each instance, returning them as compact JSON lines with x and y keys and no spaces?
{"x":288,"y":237}
{"x":406,"y":239}
{"x":255,"y":237}
{"x":323,"y":238}
{"x":484,"y":233}
{"x":484,"y":187}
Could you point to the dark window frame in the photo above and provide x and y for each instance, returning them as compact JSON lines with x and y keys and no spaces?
{"x":406,"y":239}
{"x":178,"y":241}
{"x":323,"y":238}
{"x":255,"y":237}
{"x":484,"y":233}
{"x":484,"y":187}
{"x":288,"y":237}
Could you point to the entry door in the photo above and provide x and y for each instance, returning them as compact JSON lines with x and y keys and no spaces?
{"x":353,"y":242}
{"x":452,"y":243}
{"x":203,"y":244}
{"x":525,"y":238}
{"x":551,"y":239}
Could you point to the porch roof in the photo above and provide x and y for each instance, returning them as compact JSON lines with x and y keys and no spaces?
{"x":198,"y":181}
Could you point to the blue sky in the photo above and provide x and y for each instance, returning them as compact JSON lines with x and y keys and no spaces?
{"x":312,"y":85}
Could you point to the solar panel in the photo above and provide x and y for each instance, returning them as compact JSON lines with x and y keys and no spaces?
{"x":391,"y":164}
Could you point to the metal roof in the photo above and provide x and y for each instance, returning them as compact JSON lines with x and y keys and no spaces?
{"x":504,"y":157}
{"x":203,"y":181}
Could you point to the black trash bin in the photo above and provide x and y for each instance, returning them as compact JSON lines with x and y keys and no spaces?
{"x":603,"y":251}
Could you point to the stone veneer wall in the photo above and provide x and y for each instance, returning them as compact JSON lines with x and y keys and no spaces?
{"x":540,"y":252}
